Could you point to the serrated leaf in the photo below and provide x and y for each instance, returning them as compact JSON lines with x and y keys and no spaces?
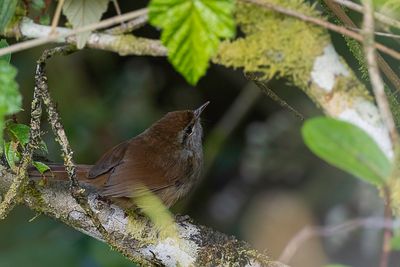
{"x":348,"y":148}
{"x":84,"y":12}
{"x":192,"y":30}
{"x":11,"y":153}
{"x":19,"y":131}
{"x":6,"y":57}
{"x":7,"y":10}
{"x":40,"y":166}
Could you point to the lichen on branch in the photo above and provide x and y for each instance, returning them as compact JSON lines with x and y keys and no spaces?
{"x":274,"y":45}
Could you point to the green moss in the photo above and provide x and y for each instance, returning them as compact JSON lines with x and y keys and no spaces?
{"x":33,"y":192}
{"x":275,"y":45}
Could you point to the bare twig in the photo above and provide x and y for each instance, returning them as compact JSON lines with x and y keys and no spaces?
{"x":384,"y":34}
{"x":326,"y":231}
{"x":375,"y":78}
{"x":388,"y":232}
{"x":117,"y":8}
{"x":322,"y":23}
{"x":91,"y":27}
{"x":271,"y":94}
{"x":384,"y":108}
{"x":383,"y":65}
{"x":380,"y":17}
{"x":129,"y":26}
{"x":56,"y":17}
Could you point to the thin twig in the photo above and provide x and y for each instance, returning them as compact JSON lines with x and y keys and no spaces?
{"x":322,"y":23}
{"x":54,"y":119}
{"x":388,"y":233}
{"x":326,"y":231}
{"x":348,"y":22}
{"x":351,"y":225}
{"x":380,"y":17}
{"x":117,"y":8}
{"x":56,"y":17}
{"x":375,"y":78}
{"x":384,"y":34}
{"x":129,"y":26}
{"x":91,"y":27}
{"x":271,"y":94}
{"x":11,"y":198}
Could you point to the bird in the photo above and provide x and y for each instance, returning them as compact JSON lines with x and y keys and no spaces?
{"x":165,"y":159}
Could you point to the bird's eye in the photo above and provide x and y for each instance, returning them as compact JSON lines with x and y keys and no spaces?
{"x":189,"y":130}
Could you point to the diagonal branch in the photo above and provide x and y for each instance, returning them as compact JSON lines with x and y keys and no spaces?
{"x":198,"y":245}
{"x":322,"y":23}
{"x":359,"y":8}
{"x":347,"y":21}
{"x":17,"y":187}
{"x":62,"y":35}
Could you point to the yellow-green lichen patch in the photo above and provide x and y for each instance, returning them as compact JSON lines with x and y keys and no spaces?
{"x":394,"y":185}
{"x":274,"y":44}
{"x":36,"y":196}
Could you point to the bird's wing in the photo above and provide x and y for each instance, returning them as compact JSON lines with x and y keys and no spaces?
{"x":109,"y":160}
{"x":139,"y":172}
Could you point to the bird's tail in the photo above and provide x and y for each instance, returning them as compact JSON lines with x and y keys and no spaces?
{"x":57,"y":172}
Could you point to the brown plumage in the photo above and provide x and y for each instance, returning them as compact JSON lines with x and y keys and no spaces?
{"x":165,"y":159}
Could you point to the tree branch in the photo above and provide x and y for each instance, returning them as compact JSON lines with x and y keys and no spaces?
{"x":122,"y":44}
{"x":359,"y":8}
{"x":128,"y":44}
{"x":322,"y":23}
{"x":198,"y":245}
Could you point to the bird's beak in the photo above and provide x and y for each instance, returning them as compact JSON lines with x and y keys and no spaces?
{"x":198,"y":111}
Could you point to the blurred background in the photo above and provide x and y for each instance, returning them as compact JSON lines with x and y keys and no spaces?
{"x":260,"y":182}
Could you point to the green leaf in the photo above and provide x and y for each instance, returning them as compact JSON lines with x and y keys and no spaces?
{"x":19,"y":131}
{"x":84,"y":12}
{"x":40,"y":166}
{"x":44,"y":19}
{"x":347,"y":147}
{"x":192,"y":30}
{"x":7,"y":10}
{"x":7,"y":57}
{"x":336,"y":265}
{"x":395,"y":243}
{"x":10,"y":99}
{"x":11,"y":153}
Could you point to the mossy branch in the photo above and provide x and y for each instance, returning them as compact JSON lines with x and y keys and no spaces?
{"x":198,"y":245}
{"x":17,"y":187}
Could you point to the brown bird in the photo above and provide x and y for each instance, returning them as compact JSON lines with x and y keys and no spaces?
{"x":165,"y":159}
